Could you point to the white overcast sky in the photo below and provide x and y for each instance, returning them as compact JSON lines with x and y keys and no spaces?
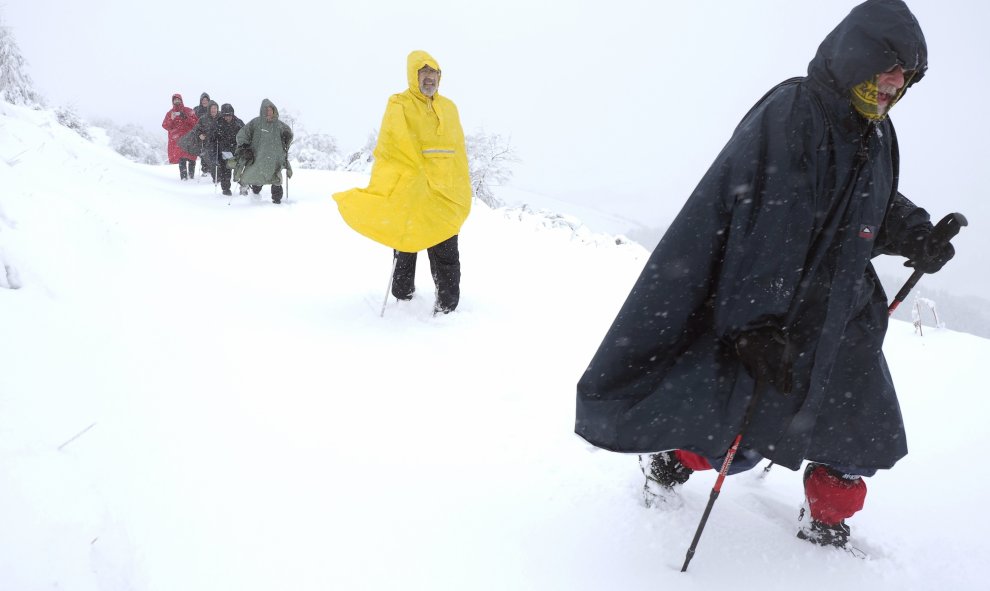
{"x":620,"y":105}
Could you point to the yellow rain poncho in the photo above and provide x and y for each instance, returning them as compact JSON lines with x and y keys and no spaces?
{"x":420,"y":191}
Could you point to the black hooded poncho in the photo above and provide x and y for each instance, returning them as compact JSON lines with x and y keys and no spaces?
{"x":780,"y":231}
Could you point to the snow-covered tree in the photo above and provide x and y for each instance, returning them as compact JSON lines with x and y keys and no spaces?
{"x":317,"y":151}
{"x":362,"y":160}
{"x":489,"y":160}
{"x":15,"y":84}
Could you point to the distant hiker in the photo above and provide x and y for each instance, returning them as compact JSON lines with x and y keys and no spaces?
{"x":204,"y":105}
{"x":420,"y":191}
{"x":226,"y":138}
{"x":762,"y":289}
{"x":203,"y":138}
{"x":263,"y":151}
{"x":202,"y":110}
{"x":179,"y":120}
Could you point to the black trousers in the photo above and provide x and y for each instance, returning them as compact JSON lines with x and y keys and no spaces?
{"x":224,"y":175}
{"x":276,"y":192}
{"x":445,"y":266}
{"x":191,"y":164}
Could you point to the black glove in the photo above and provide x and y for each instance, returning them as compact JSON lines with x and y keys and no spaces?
{"x":768,"y":356}
{"x":245,"y":154}
{"x":926,"y":253}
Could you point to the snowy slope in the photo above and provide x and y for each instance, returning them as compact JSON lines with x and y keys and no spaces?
{"x":202,"y":396}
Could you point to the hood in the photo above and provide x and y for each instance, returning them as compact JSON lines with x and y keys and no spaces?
{"x":178,"y":96}
{"x":204,"y":96}
{"x":874,"y":37}
{"x":267,"y":103}
{"x":414,"y":62}
{"x":228,"y":109}
{"x":211,"y":104}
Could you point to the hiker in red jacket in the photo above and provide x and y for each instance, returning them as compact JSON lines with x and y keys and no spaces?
{"x":178,"y":121}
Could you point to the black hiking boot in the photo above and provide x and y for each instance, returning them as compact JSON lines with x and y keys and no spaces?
{"x":823,"y":534}
{"x":819,"y":532}
{"x":663,"y":472}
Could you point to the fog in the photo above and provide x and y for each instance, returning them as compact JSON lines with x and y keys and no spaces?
{"x":619,"y":106}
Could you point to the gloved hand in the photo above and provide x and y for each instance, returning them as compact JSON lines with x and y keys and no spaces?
{"x":768,"y":356}
{"x":926,"y":253}
{"x":245,"y":154}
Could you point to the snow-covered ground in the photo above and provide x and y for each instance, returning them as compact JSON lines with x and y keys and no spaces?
{"x":202,"y":396}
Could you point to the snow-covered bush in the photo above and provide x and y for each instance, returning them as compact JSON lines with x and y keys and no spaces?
{"x":565,"y":225}
{"x":68,"y":117}
{"x":9,"y":278}
{"x":916,"y":315}
{"x":489,"y":160}
{"x":317,"y":151}
{"x":361,"y":160}
{"x":136,"y":143}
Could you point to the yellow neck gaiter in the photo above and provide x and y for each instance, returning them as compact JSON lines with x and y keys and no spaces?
{"x":864,"y":98}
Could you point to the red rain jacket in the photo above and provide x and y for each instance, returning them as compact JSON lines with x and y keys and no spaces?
{"x":178,"y":126}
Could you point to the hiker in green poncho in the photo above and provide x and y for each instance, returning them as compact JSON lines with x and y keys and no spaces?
{"x":262,"y":152}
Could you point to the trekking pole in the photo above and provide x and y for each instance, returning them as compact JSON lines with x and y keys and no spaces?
{"x":757,"y":390}
{"x":766,"y":470}
{"x":943,"y":233}
{"x":395,"y":259}
{"x":287,"y":166}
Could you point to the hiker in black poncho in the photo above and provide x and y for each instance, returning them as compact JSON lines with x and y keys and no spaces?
{"x":763,"y":287}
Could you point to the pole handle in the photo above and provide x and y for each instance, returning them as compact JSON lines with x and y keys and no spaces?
{"x":943,"y":233}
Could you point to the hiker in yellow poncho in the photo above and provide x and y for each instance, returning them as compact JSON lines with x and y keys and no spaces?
{"x":420,"y":191}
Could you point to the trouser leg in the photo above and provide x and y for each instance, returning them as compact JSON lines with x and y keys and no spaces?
{"x":182,"y":169}
{"x":191,"y":163}
{"x":404,"y":277}
{"x":224,"y":177}
{"x":445,"y":266}
{"x":255,"y":189}
{"x":276,"y":193}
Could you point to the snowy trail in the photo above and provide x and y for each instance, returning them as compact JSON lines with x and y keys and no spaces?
{"x":258,"y":426}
